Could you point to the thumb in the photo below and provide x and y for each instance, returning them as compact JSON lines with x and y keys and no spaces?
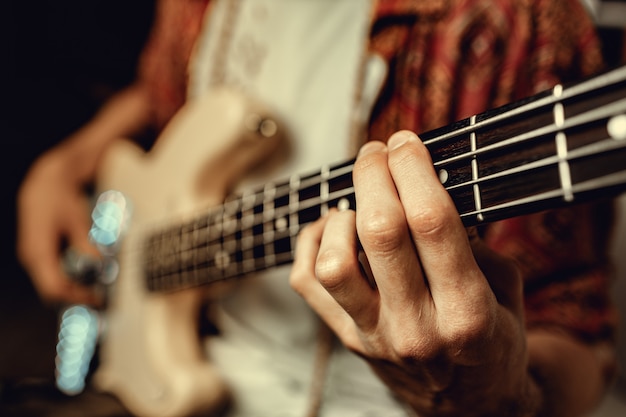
{"x":81,"y":261}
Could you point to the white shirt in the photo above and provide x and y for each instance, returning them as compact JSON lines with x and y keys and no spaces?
{"x":304,"y":59}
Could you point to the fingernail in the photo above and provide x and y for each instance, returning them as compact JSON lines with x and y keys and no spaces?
{"x":400,"y":138}
{"x":372,"y":146}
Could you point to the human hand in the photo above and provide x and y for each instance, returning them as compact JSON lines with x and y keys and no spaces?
{"x":53,"y":211}
{"x":443,"y":324}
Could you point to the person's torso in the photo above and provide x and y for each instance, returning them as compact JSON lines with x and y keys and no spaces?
{"x":308,"y":61}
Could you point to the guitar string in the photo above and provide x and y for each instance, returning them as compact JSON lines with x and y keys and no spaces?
{"x":259,"y":240}
{"x":284,"y":190}
{"x":598,"y":114}
{"x":207,"y":271}
{"x":610,"y":79}
{"x":586,"y":117}
{"x":590,"y":116}
{"x":613,"y":77}
{"x":313,"y":202}
{"x":614,"y":179}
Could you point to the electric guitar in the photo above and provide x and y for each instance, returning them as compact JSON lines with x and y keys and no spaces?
{"x":560,"y":147}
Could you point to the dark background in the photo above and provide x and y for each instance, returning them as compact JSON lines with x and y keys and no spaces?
{"x":59,"y":60}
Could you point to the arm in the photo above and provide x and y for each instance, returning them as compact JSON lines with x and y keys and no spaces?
{"x":444,"y":325}
{"x":570,"y":374}
{"x":52,"y":207}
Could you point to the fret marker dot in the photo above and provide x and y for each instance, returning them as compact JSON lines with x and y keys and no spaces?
{"x":222,"y":259}
{"x":617,"y":127}
{"x":443,"y":176}
{"x":281,"y":224}
{"x":344,"y":204}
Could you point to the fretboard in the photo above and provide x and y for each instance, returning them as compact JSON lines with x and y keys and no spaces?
{"x":563,"y":146}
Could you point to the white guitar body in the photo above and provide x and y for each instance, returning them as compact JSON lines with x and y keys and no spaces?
{"x":151,"y":356}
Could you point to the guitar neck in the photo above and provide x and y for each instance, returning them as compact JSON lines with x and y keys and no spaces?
{"x":562,"y":146}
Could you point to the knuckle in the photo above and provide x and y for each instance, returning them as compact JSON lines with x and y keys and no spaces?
{"x":410,"y":349}
{"x":468,"y":333}
{"x":382,"y":231}
{"x":429,"y":220}
{"x":331,"y":269}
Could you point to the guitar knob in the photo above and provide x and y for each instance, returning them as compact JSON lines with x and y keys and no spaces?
{"x":266,"y":127}
{"x":82,"y":268}
{"x":89,"y":270}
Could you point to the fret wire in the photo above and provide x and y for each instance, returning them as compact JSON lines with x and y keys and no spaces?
{"x":313,"y":202}
{"x":589,"y":150}
{"x":600,"y":146}
{"x":186,"y":254}
{"x":224,"y":258}
{"x":596,"y":114}
{"x":324,"y":189}
{"x":268,"y":215}
{"x":559,"y":115}
{"x":561,"y":146}
{"x":615,"y":179}
{"x":260,"y":240}
{"x":294,"y":206}
{"x":218,"y":254}
{"x":303,"y":183}
{"x":197,"y":227}
{"x":315,"y":179}
{"x":612,"y":77}
{"x":582,"y":118}
{"x":589,"y":185}
{"x":247,"y":222}
{"x":277,"y":259}
{"x":269,"y":234}
{"x":564,"y":170}
{"x":280,"y":259}
{"x":542,"y":102}
{"x":474,"y":165}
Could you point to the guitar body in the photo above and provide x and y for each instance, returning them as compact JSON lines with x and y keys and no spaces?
{"x":151,"y":356}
